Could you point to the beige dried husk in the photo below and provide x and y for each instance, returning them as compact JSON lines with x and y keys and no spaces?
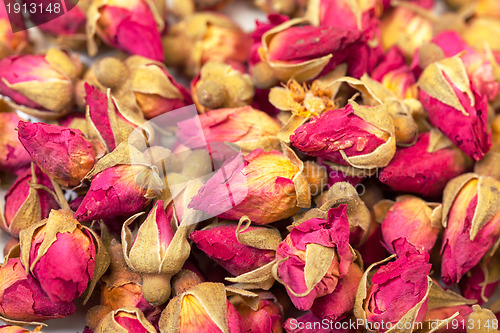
{"x":110,"y":325}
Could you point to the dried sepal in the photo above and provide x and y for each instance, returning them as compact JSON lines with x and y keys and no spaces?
{"x":250,"y":298}
{"x":264,"y":238}
{"x":437,"y":141}
{"x":211,"y":296}
{"x":300,"y":182}
{"x":102,"y":262}
{"x":260,"y":278}
{"x":487,"y":202}
{"x":109,"y":323}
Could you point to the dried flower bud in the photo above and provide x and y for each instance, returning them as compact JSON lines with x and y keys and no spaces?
{"x":358,"y":136}
{"x":121,"y":190}
{"x":187,"y":278}
{"x":10,"y":42}
{"x":23,"y":300}
{"x":63,"y":256}
{"x":226,"y":245}
{"x":339,"y":303}
{"x":12,"y":153}
{"x":325,"y":242}
{"x":413,"y":219}
{"x":244,"y":126}
{"x":266,"y":187}
{"x":127,"y":319}
{"x":204,"y":37}
{"x":40,"y":85}
{"x":267,"y":318}
{"x":25,"y":205}
{"x":472,"y":223}
{"x":398,"y":291}
{"x":455,"y":107}
{"x":62,"y":153}
{"x":302,"y":52}
{"x":317,"y":176}
{"x":153,"y":88}
{"x":425,"y":167}
{"x":407,"y":30}
{"x":133,"y":26}
{"x":157,"y":253}
{"x":220,"y":85}
{"x":204,"y":308}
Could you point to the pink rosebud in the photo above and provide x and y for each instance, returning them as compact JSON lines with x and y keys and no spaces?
{"x":228,"y":125}
{"x":472,"y":224}
{"x":130,"y":26}
{"x":61,"y":255}
{"x":260,"y":188}
{"x":97,"y":105}
{"x":23,"y":299}
{"x":475,"y":285}
{"x":268,"y":317}
{"x":116,"y":192}
{"x":62,"y":153}
{"x":21,"y":200}
{"x":422,"y":168}
{"x":328,"y":239}
{"x":12,"y":153}
{"x":455,"y":106}
{"x":396,"y":288}
{"x":413,"y":219}
{"x":261,"y":27}
{"x":337,"y":305}
{"x":479,"y":68}
{"x":347,"y":137}
{"x":221,"y":244}
{"x":23,"y":77}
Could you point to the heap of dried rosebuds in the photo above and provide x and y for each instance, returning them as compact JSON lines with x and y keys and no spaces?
{"x":335,"y":170}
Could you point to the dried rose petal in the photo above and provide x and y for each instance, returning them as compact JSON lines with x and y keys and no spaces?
{"x":268,"y":317}
{"x":13,"y":156}
{"x":472,"y":285}
{"x":62,"y":153}
{"x":328,"y":239}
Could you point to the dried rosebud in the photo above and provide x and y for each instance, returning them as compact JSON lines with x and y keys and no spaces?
{"x":127,"y":319}
{"x":358,"y":136}
{"x":18,"y":329}
{"x":121,"y":190}
{"x":267,"y":318}
{"x":226,"y":245}
{"x":326,"y":242}
{"x":40,"y":85}
{"x":152,"y":87}
{"x":62,"y":153}
{"x":479,"y":68}
{"x":203,"y":37}
{"x":337,"y":305}
{"x":455,"y":107}
{"x":476,"y":284}
{"x":204,"y":308}
{"x":133,"y":26}
{"x":413,"y":219}
{"x":26,"y":205}
{"x":266,"y":188}
{"x":23,"y":300}
{"x":156,"y":253}
{"x":187,"y":278}
{"x":398,"y":291}
{"x":472,"y":223}
{"x":317,"y":176}
{"x":108,"y":121}
{"x":12,"y":153}
{"x":10,"y":42}
{"x":425,"y":167}
{"x":62,"y":255}
{"x":244,"y":126}
{"x":220,"y":85}
{"x":302,"y":52}
{"x":407,"y":30}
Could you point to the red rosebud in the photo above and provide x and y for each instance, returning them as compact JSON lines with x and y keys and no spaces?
{"x":310,"y":240}
{"x":62,"y":153}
